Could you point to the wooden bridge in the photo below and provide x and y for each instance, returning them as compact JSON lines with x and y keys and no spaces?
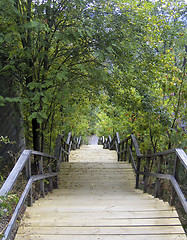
{"x":96,"y":196}
{"x":96,"y":199}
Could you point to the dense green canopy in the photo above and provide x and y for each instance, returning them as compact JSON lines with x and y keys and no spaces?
{"x":96,"y":66}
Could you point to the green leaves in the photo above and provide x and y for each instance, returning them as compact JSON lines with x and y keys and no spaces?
{"x":2,"y":101}
{"x":40,"y":116}
{"x":62,"y":76}
{"x":7,"y":203}
{"x":59,"y":56}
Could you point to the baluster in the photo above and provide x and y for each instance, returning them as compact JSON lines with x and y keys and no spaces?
{"x":146,"y":176}
{"x":122,"y":149}
{"x":63,"y":155}
{"x":109,"y":146}
{"x":126,"y":146}
{"x":118,"y":149}
{"x":50,"y":179}
{"x":175,"y":174}
{"x":74,"y":143}
{"x":28,"y":176}
{"x":68,"y":150}
{"x":129,"y":152}
{"x":41,"y":181}
{"x":65,"y":148}
{"x":157,"y":186}
{"x":137,"y":173}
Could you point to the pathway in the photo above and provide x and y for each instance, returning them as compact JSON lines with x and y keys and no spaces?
{"x":96,"y":200}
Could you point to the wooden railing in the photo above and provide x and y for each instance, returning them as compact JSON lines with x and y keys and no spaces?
{"x":48,"y":168}
{"x":168,"y":165}
{"x":64,"y":147}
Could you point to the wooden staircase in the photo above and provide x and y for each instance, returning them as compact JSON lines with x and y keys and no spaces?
{"x":97,"y":200}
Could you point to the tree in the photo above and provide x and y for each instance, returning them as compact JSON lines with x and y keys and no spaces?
{"x":64,"y":55}
{"x":52,"y":51}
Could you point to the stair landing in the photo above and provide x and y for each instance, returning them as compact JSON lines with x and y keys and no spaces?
{"x":96,"y":200}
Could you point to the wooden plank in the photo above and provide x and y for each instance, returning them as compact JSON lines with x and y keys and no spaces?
{"x":159,"y":154}
{"x":112,"y":215}
{"x":106,"y":199}
{"x":52,"y":220}
{"x":42,"y":154}
{"x":64,"y":209}
{"x":17,"y":210}
{"x":97,"y":200}
{"x":182,"y":156}
{"x":20,"y":164}
{"x":136,"y":145}
{"x":121,"y":230}
{"x":101,"y":237}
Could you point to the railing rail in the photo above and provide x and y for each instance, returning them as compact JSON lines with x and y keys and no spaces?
{"x":62,"y":152}
{"x":128,"y":147}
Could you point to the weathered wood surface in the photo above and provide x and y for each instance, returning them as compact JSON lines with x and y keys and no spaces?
{"x":96,"y":199}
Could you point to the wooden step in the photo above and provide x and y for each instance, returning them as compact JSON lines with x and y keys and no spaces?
{"x":102,"y":237}
{"x":96,"y":199}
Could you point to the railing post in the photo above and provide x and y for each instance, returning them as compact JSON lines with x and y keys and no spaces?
{"x":50,"y":179}
{"x":117,"y":145}
{"x":28,"y":176}
{"x":131,"y":151}
{"x":79,"y":142}
{"x":137,"y":173}
{"x":175,"y":174}
{"x":146,"y":176}
{"x":68,"y":147}
{"x":157,"y":185}
{"x":122,"y":149}
{"x":74,"y":143}
{"x":106,"y":144}
{"x":42,"y":189}
{"x":63,"y":154}
{"x":69,"y":137}
{"x":109,"y":142}
{"x":126,"y":146}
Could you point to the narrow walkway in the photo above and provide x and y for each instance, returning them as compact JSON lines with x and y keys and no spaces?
{"x":96,"y":200}
{"x":93,"y":140}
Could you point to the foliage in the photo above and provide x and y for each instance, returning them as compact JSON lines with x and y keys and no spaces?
{"x":101,"y":66}
{"x":150,"y":75}
{"x":7,"y":203}
{"x":4,"y":139}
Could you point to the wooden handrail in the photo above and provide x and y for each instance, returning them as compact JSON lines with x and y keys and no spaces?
{"x":14,"y":174}
{"x":122,"y":151}
{"x":62,"y":152}
{"x":22,"y":200}
{"x":182,"y":156}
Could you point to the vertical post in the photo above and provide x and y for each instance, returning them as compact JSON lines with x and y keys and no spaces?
{"x":129,"y":152}
{"x":109,"y":142}
{"x":28,"y":176}
{"x":137,"y":173}
{"x":41,"y":181}
{"x":63,"y":153}
{"x":74,"y":144}
{"x":175,"y":174}
{"x":122,"y":149}
{"x":67,"y":150}
{"x":118,"y":149}
{"x":126,"y":146}
{"x":50,"y":179}
{"x":59,"y":160}
{"x":69,"y":137}
{"x":146,"y":176}
{"x":157,"y":185}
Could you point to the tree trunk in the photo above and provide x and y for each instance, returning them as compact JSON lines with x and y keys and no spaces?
{"x":36,"y":134}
